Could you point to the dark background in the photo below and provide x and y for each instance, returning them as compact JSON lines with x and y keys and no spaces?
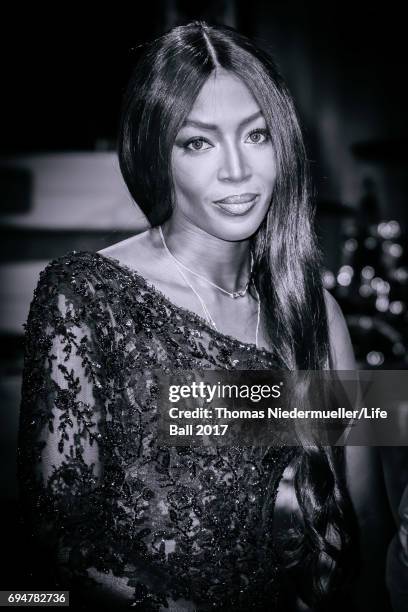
{"x":64,"y":72}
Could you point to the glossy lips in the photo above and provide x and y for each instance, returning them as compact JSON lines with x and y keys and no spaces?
{"x":238,"y":204}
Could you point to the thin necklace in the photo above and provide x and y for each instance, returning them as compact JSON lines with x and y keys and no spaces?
{"x":203,"y":305}
{"x":231,"y":294}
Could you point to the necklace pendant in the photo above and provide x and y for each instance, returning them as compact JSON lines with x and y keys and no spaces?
{"x":237,"y":294}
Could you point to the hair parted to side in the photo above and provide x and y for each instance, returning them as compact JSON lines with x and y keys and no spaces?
{"x":163,"y":88}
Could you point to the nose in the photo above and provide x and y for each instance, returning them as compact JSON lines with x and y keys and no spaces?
{"x":234,"y":166}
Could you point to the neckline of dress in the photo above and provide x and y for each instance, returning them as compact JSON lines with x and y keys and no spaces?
{"x":135,"y":273}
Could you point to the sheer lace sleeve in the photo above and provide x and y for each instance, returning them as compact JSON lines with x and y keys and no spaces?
{"x":63,"y":474}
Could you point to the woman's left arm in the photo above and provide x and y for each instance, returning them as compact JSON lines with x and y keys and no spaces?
{"x":367,"y":488}
{"x":340,"y":343}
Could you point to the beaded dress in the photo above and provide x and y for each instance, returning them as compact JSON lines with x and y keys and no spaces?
{"x":116,"y":511}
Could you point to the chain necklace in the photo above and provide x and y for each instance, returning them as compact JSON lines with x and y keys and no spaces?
{"x":208,"y":316}
{"x":231,"y":294}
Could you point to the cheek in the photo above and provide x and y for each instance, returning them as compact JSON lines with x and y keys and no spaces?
{"x":266,"y":170}
{"x":190,"y":179}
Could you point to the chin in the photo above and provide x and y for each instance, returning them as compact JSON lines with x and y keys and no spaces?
{"x":239,"y":228}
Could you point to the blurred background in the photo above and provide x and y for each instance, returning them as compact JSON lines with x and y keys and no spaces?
{"x":63,"y":76}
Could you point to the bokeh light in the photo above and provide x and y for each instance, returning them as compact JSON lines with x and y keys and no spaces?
{"x":375,"y":358}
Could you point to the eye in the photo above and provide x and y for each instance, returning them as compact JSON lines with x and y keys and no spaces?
{"x":258,"y":136}
{"x":197,"y":144}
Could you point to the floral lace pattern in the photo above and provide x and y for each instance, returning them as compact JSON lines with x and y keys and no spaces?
{"x":149,"y":524}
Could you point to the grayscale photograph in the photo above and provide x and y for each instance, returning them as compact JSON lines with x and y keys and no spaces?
{"x":203,"y":313}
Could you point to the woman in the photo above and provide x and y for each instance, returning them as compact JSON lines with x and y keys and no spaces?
{"x":227,"y":277}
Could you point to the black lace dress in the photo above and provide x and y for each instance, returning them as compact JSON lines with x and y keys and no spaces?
{"x":147,"y":526}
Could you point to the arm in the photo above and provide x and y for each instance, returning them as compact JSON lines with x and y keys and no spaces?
{"x":342,"y":357}
{"x":365,"y":482}
{"x":63,"y":473}
{"x":340,"y":343}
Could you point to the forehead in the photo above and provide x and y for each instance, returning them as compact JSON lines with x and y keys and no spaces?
{"x":223,"y":97}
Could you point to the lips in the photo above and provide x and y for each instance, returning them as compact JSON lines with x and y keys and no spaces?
{"x":242,"y":198}
{"x":242,"y":204}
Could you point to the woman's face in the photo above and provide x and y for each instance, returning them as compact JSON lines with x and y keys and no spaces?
{"x":223,"y":162}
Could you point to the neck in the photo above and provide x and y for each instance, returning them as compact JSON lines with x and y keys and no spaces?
{"x":223,"y":262}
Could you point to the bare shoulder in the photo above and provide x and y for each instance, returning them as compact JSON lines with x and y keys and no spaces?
{"x":340,"y":342}
{"x":139,"y":252}
{"x":124,"y":249}
{"x":143,"y":253}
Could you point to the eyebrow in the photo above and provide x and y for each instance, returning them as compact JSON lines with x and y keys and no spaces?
{"x":213,"y":127}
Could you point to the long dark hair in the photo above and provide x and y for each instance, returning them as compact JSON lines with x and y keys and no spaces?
{"x":286,"y":272}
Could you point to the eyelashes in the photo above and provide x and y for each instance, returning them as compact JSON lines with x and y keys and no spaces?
{"x":259,"y":132}
{"x":257,"y":136}
{"x":190,"y":144}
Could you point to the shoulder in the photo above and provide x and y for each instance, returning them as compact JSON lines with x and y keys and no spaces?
{"x":139,"y":252}
{"x":77,"y":277}
{"x":73,"y":271}
{"x":144,"y":255}
{"x":340,"y":342}
{"x":80,"y":290}
{"x":60,"y":278}
{"x":79,"y":266}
